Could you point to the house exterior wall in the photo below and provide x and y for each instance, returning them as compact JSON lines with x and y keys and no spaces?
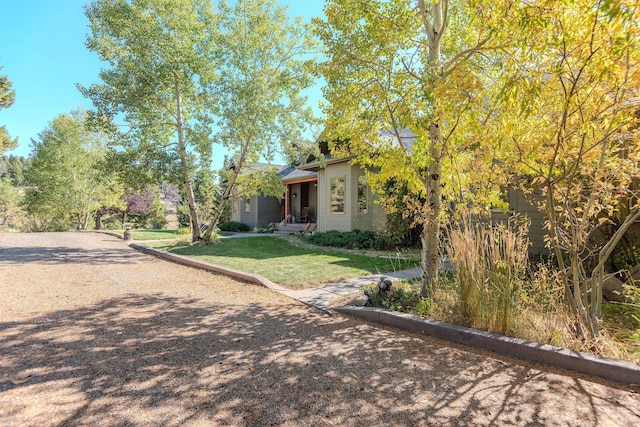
{"x":295,"y":201}
{"x":524,"y":205}
{"x":269,"y":210}
{"x":262,"y":211}
{"x":249,"y":218}
{"x":350,"y":219}
{"x":374,"y":219}
{"x":313,"y":201}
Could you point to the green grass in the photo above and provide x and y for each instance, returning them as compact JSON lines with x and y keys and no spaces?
{"x":285,"y":264}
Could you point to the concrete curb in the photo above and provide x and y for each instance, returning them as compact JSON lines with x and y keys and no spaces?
{"x":615,"y":370}
{"x":190,"y":262}
{"x":109,"y":233}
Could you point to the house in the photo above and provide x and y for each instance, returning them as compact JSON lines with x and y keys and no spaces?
{"x":332,"y":193}
{"x":344,"y":199}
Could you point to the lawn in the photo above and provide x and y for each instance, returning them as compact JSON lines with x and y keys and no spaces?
{"x":285,"y":264}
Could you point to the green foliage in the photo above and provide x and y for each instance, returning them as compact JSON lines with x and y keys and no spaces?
{"x":402,"y":296}
{"x":10,"y":200}
{"x":7,"y":97}
{"x":67,"y":182}
{"x":161,"y":54}
{"x":234,"y":226}
{"x":356,"y":239}
{"x":264,"y":66}
{"x":13,"y":167}
{"x":575,"y":133}
{"x":344,"y":239}
{"x":410,"y":90}
{"x":260,"y":180}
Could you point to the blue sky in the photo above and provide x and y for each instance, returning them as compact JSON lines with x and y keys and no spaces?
{"x":43,"y":54}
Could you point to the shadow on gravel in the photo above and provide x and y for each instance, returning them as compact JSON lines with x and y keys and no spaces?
{"x":159,"y":360}
{"x":63,"y":254}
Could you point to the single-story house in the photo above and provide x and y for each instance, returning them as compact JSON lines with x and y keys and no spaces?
{"x":333,"y":193}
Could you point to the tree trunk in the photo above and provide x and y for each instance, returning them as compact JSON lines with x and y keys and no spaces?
{"x":186,"y":179}
{"x":225,"y":197}
{"x":430,"y":237}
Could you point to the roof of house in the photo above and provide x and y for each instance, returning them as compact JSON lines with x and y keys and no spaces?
{"x":298,"y":174}
{"x":406,"y":137}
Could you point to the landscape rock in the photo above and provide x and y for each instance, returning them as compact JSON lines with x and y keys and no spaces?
{"x":635,"y":273}
{"x":360,"y":300}
{"x":613,"y":289}
{"x":384,"y":284}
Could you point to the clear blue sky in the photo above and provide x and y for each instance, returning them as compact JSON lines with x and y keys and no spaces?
{"x":42,"y":53}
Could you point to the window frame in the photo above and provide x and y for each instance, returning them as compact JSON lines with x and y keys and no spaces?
{"x":364,"y":186}
{"x":333,"y":196}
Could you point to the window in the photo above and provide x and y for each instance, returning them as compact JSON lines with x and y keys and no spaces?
{"x":337,"y":195}
{"x":247,"y":204}
{"x":363,"y":195}
{"x":236,"y":204}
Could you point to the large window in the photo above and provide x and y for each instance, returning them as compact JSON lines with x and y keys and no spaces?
{"x":337,"y":195}
{"x":236,"y":204}
{"x":363,"y":195}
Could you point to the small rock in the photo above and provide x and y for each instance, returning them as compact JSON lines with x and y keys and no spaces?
{"x":358,"y":301}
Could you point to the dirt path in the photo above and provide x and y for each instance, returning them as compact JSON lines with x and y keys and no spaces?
{"x":94,"y":333}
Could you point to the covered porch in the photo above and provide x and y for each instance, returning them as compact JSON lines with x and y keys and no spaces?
{"x":301,"y":197}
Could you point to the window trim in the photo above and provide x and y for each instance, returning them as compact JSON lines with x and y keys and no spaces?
{"x":344,"y":195}
{"x":367,"y":194}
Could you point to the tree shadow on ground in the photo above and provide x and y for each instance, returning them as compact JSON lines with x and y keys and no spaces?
{"x":160,"y":360}
{"x":67,"y":255}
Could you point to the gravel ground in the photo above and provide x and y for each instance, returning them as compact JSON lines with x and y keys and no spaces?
{"x":95,"y":333}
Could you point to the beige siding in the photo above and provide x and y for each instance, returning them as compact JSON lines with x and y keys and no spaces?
{"x":338,"y":221}
{"x":374,"y":219}
{"x":525,"y":206}
{"x":322,"y":195}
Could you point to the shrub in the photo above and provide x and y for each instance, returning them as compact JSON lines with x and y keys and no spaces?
{"x":349,"y":239}
{"x":490,"y":264}
{"x":402,"y":297}
{"x":233,"y":226}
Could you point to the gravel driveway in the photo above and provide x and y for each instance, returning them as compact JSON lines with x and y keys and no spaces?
{"x":95,"y":333}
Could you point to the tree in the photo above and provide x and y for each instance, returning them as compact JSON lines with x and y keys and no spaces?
{"x":264,"y":64}
{"x":66,"y":181}
{"x":575,"y":83}
{"x":7,"y":97}
{"x":422,"y":74}
{"x":162,"y":65}
{"x":9,"y":203}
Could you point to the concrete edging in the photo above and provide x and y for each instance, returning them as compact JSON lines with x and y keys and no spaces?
{"x":190,"y":262}
{"x":616,"y":370}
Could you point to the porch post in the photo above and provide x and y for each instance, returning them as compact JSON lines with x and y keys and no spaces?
{"x":286,"y":203}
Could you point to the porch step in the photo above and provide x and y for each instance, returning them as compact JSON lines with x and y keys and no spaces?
{"x":292,"y":228}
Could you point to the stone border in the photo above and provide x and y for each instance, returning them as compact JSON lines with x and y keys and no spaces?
{"x":190,"y":262}
{"x":616,"y":370}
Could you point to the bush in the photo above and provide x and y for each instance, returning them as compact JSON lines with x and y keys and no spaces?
{"x":233,"y":226}
{"x":402,"y":297}
{"x":349,"y":239}
{"x":490,"y":265}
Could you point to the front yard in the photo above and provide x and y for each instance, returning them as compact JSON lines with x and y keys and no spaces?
{"x":285,"y":264}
